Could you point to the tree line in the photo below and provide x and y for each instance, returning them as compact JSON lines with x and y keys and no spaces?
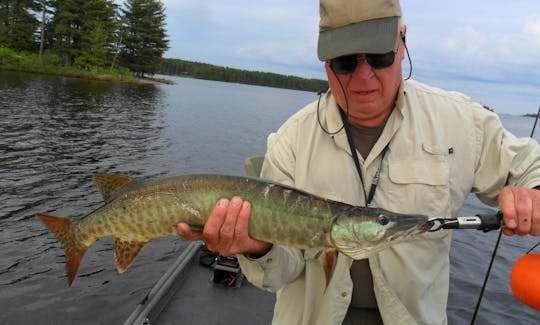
{"x":97,"y":37}
{"x":212,"y":72}
{"x":87,"y":33}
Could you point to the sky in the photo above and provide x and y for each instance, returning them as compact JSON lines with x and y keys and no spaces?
{"x":488,"y":50}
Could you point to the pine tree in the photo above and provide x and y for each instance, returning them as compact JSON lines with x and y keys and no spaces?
{"x":94,"y":48}
{"x":144,"y":36}
{"x":98,"y":34}
{"x":66,"y":27}
{"x":18,"y":24}
{"x":84,"y":31}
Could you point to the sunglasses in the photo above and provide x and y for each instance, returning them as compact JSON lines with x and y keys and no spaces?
{"x":347,"y":64}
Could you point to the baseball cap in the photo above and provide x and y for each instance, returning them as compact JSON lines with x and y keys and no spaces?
{"x":357,"y":26}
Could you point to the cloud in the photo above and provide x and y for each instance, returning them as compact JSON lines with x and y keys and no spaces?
{"x":467,"y":42}
{"x":258,"y":14}
{"x":470,"y":46}
{"x":261,"y":35}
{"x":532,"y":29}
{"x":289,"y":54}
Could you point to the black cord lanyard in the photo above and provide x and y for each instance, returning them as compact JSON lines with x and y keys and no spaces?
{"x":354,"y":155}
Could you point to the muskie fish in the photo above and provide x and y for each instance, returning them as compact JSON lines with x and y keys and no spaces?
{"x":136,"y":212}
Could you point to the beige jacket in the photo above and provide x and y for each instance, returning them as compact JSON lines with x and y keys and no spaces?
{"x":442,"y":146}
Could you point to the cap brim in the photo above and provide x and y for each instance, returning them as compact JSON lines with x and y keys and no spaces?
{"x":370,"y":36}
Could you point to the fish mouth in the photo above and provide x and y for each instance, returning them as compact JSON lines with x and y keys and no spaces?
{"x":427,"y":226}
{"x":409,"y":226}
{"x":406,"y":222}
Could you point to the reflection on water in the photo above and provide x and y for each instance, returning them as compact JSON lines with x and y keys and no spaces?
{"x":55,"y":133}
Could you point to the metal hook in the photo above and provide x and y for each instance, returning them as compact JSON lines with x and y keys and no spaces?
{"x":443,"y":223}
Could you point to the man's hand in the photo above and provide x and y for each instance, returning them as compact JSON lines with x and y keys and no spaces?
{"x":226,"y":230}
{"x":521,"y":210}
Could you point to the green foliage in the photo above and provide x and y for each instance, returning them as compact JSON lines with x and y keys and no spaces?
{"x":50,"y":63}
{"x":66,"y":27}
{"x":84,"y":31}
{"x":213,"y":72}
{"x":8,"y":57}
{"x":94,"y":51}
{"x":17,"y":24}
{"x":144,"y":37}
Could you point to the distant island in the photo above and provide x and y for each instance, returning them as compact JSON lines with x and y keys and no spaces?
{"x":531,"y":115}
{"x":183,"y":68}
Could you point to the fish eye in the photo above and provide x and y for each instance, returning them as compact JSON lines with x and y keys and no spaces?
{"x":383,"y":220}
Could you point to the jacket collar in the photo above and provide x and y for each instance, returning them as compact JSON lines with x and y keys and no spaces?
{"x":332,"y":123}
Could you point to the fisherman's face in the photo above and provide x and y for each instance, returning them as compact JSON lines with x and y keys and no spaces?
{"x":370,"y":93}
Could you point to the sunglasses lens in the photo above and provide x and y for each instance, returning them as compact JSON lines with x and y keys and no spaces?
{"x":344,"y":64}
{"x":380,"y":61}
{"x":347,"y":64}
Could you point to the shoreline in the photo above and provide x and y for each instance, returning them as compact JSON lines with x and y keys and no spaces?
{"x":96,"y":75}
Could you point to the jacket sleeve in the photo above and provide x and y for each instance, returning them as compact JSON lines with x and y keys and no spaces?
{"x":281,"y":265}
{"x":502,"y":158}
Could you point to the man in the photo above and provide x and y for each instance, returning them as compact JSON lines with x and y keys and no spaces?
{"x":430,"y":148}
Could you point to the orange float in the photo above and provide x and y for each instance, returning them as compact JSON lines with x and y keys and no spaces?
{"x":525,"y":280}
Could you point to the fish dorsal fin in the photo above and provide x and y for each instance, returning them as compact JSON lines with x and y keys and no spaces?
{"x":125,"y":251}
{"x":110,"y":183}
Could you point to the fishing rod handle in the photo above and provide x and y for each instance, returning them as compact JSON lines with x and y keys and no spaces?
{"x":484,"y":222}
{"x":491,"y":221}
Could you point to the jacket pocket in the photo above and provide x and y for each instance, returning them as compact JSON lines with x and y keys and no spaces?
{"x":425,"y":172}
{"x":429,"y":168}
{"x":420,"y":182}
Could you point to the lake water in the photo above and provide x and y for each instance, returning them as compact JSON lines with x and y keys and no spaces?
{"x":55,"y":133}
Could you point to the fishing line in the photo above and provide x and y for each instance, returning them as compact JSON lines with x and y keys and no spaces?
{"x":408,"y":57}
{"x":532,"y":133}
{"x":496,"y":248}
{"x":532,"y":249}
{"x":535,"y":121}
{"x":346,"y":105}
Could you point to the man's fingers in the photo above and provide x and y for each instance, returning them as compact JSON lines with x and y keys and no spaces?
{"x":241,"y":230}
{"x":521,"y":209}
{"x":535,"y":219}
{"x":185,"y":231}
{"x":524,"y":208}
{"x":213,"y":224}
{"x":229,"y":225}
{"x":507,"y":205}
{"x":248,"y":244}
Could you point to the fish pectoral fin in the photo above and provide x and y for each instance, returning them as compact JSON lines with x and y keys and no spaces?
{"x":328,"y":263}
{"x":125,"y":251}
{"x":110,"y":183}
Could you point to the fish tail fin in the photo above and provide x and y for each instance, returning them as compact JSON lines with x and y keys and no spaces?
{"x":61,"y":228}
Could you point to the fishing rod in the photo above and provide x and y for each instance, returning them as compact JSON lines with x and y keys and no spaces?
{"x":497,"y":243}
{"x":532,"y":133}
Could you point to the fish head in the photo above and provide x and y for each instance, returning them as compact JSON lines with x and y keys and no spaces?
{"x":359,"y":235}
